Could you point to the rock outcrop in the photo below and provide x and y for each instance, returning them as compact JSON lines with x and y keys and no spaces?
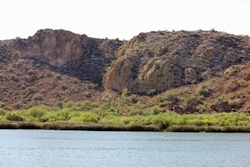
{"x":157,"y":61}
{"x":221,"y":107}
{"x":76,"y":55}
{"x":56,"y":47}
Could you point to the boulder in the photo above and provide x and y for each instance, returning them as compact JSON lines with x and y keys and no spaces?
{"x":190,"y":76}
{"x":247,"y":77}
{"x":178,"y":109}
{"x":223,"y":106}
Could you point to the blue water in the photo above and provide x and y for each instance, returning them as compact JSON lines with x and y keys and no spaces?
{"x":49,"y":148}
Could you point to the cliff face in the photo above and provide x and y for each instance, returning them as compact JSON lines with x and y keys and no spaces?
{"x":157,"y":61}
{"x":76,"y":55}
{"x":54,"y":47}
{"x":53,"y":66}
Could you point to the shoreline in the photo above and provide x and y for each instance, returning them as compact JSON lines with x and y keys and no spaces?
{"x":101,"y":127}
{"x":75,"y":126}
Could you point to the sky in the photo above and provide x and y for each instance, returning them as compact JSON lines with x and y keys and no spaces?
{"x":122,"y":19}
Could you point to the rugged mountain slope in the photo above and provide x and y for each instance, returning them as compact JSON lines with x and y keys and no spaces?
{"x":76,"y":55}
{"x":157,"y":61}
{"x":52,"y":67}
{"x":55,"y":66}
{"x":227,"y":91}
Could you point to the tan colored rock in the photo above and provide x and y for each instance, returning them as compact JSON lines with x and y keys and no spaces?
{"x":56,"y":47}
{"x":143,"y":77}
{"x":190,"y":76}
{"x":158,"y":61}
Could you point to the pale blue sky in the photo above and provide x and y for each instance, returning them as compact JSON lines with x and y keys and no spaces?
{"x":122,"y":19}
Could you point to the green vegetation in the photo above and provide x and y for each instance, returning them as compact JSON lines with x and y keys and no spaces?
{"x":121,"y":114}
{"x":202,"y":91}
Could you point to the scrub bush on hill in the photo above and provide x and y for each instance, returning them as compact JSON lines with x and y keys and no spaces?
{"x":2,"y":114}
{"x":14,"y":116}
{"x":126,"y":111}
{"x":2,"y":104}
{"x":86,"y":117}
{"x":202,"y":91}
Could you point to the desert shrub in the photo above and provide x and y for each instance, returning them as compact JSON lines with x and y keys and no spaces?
{"x":107,"y":109}
{"x":197,"y":122}
{"x":87,"y":117}
{"x":235,"y":103}
{"x":170,"y":96}
{"x":86,"y":106}
{"x":242,"y":82}
{"x":108,"y":120}
{"x":229,"y":119}
{"x":31,"y":104}
{"x":201,"y":108}
{"x":60,"y":104}
{"x":2,"y":118}
{"x":223,"y":97}
{"x":14,"y":116}
{"x":185,"y":92}
{"x":104,"y":106}
{"x":125,"y":120}
{"x":33,"y":114}
{"x":49,"y":117}
{"x":63,"y":114}
{"x":133,"y":99}
{"x":87,"y":94}
{"x":136,"y":111}
{"x":2,"y":112}
{"x":37,"y":97}
{"x":231,"y":70}
{"x":155,"y":110}
{"x":243,"y":123}
{"x":125,"y":93}
{"x":36,"y":112}
{"x":116,"y":120}
{"x":202,"y":91}
{"x":160,"y":99}
{"x":68,"y":104}
{"x":97,"y":111}
{"x":188,"y":100}
{"x":2,"y":104}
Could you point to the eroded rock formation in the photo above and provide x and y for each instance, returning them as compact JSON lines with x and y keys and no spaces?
{"x":157,"y":61}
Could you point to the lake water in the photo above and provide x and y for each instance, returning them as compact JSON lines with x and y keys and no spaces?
{"x":112,"y":149}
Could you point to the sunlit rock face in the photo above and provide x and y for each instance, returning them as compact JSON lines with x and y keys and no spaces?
{"x":157,"y":61}
{"x":56,"y":47}
{"x":73,"y":54}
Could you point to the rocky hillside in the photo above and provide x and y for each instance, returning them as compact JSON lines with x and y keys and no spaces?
{"x":52,"y":67}
{"x":154,"y":62}
{"x":55,"y":66}
{"x":75,"y":55}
